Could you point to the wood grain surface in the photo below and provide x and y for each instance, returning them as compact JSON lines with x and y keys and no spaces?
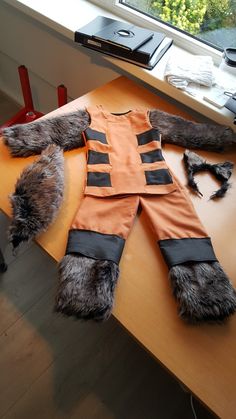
{"x":202,"y":357}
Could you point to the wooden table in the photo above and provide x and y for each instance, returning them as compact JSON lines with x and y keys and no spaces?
{"x":202,"y":357}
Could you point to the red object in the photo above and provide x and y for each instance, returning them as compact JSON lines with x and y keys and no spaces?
{"x":28,"y":113}
{"x":62,"y":95}
{"x":30,"y":116}
{"x":25,"y":86}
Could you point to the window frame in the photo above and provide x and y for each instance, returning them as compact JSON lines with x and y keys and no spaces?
{"x":180,"y":39}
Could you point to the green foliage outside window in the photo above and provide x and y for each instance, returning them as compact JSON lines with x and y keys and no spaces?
{"x":194,"y":16}
{"x":185,"y":14}
{"x":220,"y":14}
{"x":210,"y":20}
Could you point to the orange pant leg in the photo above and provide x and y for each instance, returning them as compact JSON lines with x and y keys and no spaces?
{"x":101,"y":226}
{"x":177,"y":228}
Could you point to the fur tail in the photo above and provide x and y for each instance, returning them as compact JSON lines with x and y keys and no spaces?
{"x":38,"y":196}
{"x":203,"y":291}
{"x":86,"y":287}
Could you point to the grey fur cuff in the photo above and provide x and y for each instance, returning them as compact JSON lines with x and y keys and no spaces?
{"x":189,"y":134}
{"x":38,"y":196}
{"x":203,"y":291}
{"x":86,"y":287}
{"x":64,"y":130}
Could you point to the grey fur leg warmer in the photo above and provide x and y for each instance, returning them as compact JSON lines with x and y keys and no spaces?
{"x":38,"y":196}
{"x":203,"y":291}
{"x":86,"y":287}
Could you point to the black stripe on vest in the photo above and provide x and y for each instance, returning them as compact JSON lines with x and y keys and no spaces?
{"x":158,"y":177}
{"x":95,"y":245}
{"x":177,"y":251}
{"x":92,"y":134}
{"x":98,"y":179}
{"x":96,"y":157}
{"x":151,"y":156}
{"x":148,"y":136}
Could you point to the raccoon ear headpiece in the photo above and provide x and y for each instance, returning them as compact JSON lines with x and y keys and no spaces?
{"x":38,"y":196}
{"x":222,"y":171}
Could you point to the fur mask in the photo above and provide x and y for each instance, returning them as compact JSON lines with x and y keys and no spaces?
{"x":222,"y":172}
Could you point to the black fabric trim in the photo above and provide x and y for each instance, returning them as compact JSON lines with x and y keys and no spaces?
{"x":177,"y":251}
{"x":120,"y":113}
{"x":92,"y":134}
{"x":158,"y":177}
{"x":152,"y":156}
{"x":98,"y":179}
{"x":148,"y":136}
{"x":96,"y":157}
{"x":95,"y":245}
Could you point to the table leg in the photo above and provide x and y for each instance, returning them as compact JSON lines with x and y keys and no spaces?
{"x":3,"y":266}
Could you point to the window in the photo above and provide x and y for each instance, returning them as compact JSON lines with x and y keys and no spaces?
{"x":213,"y":35}
{"x":212,"y":21}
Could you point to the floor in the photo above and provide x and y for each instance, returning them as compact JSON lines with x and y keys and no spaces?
{"x":58,"y":368}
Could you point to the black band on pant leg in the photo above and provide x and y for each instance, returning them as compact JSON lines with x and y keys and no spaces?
{"x":177,"y":251}
{"x":95,"y":245}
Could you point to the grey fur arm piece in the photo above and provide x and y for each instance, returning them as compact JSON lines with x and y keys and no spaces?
{"x":64,"y":131}
{"x":189,"y":134}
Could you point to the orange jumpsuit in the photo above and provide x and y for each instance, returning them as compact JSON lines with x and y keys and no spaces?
{"x":125,"y":169}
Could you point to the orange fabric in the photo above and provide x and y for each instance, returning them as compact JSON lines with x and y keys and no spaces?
{"x":111,"y":210}
{"x":153,"y":145}
{"x":172,"y":216}
{"x":113,"y":215}
{"x":127,"y":172}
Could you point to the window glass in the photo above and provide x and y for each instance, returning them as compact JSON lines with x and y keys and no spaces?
{"x":212,"y":21}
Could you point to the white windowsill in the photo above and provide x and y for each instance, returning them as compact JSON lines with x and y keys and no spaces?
{"x":67,"y":16}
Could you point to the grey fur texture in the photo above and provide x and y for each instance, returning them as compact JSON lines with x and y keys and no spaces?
{"x":38,"y":196}
{"x":86,"y":287}
{"x":188,"y":134}
{"x":203,"y":291}
{"x":222,"y":171}
{"x":64,"y":130}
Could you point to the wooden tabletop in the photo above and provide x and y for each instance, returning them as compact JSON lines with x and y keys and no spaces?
{"x":202,"y":357}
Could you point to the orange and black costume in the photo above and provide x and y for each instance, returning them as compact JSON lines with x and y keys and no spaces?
{"x":125,"y":170}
